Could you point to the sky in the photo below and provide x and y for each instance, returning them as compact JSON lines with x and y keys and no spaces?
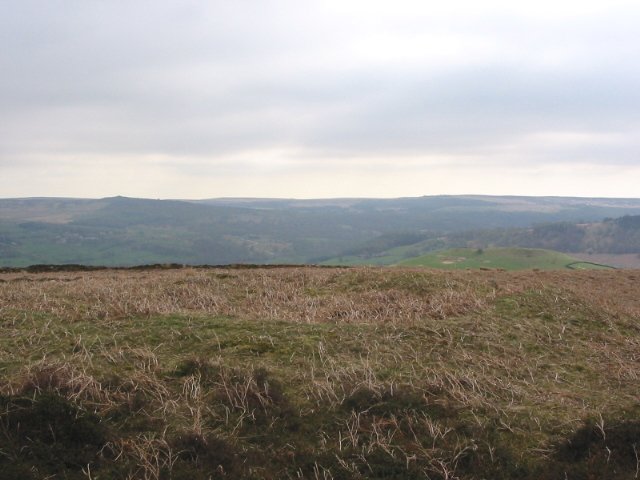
{"x":319,"y":99}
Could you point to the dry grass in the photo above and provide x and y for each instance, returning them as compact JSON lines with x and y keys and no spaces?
{"x":294,"y":294}
{"x":327,"y":373}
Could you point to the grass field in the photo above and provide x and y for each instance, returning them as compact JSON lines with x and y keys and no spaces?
{"x":504,"y":258}
{"x":322,"y":373}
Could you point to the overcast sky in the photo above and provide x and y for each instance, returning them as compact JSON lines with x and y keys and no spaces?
{"x":199,"y":99}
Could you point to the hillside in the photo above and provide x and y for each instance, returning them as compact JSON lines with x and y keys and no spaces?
{"x":611,"y":241}
{"x":125,"y":231}
{"x":349,"y":373}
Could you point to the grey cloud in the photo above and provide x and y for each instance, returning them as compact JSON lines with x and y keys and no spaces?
{"x":180,"y":78}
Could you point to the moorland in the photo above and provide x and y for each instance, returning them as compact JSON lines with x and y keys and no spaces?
{"x":323,"y":373}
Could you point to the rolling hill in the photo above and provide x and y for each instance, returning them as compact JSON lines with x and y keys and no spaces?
{"x":613,"y":241}
{"x":126,"y":231}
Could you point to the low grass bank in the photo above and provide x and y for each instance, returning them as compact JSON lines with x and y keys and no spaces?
{"x":319,"y":373}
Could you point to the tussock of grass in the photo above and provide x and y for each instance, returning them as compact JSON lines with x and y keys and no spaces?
{"x":315,"y":373}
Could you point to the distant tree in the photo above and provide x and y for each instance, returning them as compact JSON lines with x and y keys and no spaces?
{"x":630,"y":222}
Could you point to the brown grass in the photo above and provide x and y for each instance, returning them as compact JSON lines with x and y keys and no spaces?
{"x":434,"y":372}
{"x":309,"y":295}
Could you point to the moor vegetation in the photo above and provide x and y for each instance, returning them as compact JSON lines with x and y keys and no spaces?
{"x":321,"y":373}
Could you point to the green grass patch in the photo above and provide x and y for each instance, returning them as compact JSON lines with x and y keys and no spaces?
{"x":502,"y":258}
{"x":581,"y":265}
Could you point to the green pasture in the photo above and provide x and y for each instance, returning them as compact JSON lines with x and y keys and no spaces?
{"x":502,"y":258}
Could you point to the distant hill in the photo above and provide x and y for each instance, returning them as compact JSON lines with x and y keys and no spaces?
{"x":127,"y":231}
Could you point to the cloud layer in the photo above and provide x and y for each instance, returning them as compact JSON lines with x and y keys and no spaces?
{"x":286,"y":98}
